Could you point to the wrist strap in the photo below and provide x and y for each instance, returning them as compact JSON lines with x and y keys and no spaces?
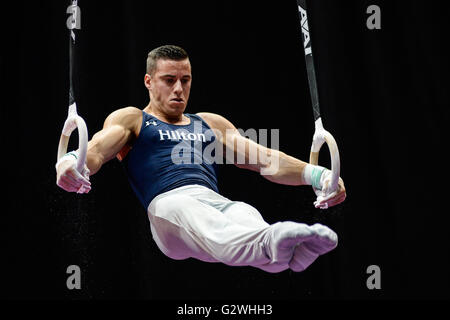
{"x":72,"y":153}
{"x":315,"y":177}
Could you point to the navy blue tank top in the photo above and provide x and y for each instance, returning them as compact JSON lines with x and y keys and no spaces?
{"x":167,"y":156}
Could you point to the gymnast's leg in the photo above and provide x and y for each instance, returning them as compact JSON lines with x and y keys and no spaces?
{"x":293,"y":245}
{"x":184,"y":227}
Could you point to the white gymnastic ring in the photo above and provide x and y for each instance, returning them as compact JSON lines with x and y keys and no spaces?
{"x":74,"y":121}
{"x":320,"y":137}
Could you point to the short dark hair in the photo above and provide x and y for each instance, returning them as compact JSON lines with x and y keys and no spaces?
{"x":169,"y":52}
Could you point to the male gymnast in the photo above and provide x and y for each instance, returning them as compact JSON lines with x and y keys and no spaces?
{"x":177,"y":184}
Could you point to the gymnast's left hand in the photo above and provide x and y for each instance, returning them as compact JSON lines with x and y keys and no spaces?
{"x":327,"y":198}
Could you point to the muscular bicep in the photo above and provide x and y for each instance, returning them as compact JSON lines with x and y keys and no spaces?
{"x":118,"y":130}
{"x":273,"y":164}
{"x":248,"y":154}
{"x":109,"y":141}
{"x":238,"y":149}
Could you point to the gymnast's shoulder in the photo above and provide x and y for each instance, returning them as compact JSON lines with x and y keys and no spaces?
{"x":129,"y":117}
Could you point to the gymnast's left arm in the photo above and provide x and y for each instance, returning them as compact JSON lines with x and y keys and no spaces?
{"x":274,"y":165}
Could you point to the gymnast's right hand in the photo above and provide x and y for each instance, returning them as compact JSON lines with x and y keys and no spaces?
{"x":68,"y":177}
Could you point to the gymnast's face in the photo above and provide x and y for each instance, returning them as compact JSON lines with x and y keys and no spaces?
{"x":170,"y":85}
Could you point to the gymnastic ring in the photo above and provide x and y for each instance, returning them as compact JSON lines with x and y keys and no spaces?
{"x":72,"y":122}
{"x":320,"y":137}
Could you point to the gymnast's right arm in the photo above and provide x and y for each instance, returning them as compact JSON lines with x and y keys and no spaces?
{"x":119,"y":129}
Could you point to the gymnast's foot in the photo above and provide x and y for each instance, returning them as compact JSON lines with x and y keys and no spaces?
{"x":299,"y":245}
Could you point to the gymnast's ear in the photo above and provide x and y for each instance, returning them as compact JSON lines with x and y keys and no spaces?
{"x":147,"y":80}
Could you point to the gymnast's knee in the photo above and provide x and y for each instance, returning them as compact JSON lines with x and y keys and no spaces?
{"x":165,"y":226}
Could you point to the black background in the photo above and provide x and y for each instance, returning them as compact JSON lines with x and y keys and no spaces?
{"x":384,"y":97}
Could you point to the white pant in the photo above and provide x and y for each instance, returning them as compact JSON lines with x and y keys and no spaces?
{"x":194,"y":221}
